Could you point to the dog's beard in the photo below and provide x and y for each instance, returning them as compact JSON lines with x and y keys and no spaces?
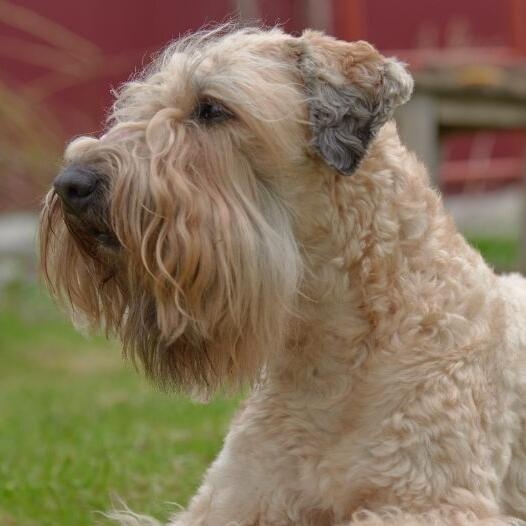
{"x":201,"y":286}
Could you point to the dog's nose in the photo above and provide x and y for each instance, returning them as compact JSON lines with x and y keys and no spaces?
{"x":76,"y":186}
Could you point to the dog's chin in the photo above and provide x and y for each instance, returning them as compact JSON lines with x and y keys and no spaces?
{"x":183,"y":364}
{"x":187,"y":360}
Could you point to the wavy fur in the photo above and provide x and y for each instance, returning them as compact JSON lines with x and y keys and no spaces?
{"x":387,"y":360}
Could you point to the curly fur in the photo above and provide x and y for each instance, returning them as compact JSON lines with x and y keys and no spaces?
{"x":387,"y":360}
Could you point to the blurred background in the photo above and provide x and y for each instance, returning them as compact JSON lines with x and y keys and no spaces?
{"x":77,"y":427}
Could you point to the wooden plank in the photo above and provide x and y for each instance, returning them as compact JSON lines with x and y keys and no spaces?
{"x":481,"y":170}
{"x":481,"y":113}
{"x":474,"y":81}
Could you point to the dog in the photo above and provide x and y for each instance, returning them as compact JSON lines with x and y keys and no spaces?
{"x":251,"y":218}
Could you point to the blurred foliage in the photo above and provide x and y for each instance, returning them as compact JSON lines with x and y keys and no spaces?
{"x":29,"y":149}
{"x":31,"y":132}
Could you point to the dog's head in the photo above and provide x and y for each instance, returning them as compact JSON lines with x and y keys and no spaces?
{"x":176,"y":229}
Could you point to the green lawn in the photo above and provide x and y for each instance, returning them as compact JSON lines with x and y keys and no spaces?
{"x":502,"y":254}
{"x":78,"y":426}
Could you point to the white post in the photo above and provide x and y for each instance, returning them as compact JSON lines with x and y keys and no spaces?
{"x":418,"y":127}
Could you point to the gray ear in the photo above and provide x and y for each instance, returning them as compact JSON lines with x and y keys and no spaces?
{"x":348,"y":107}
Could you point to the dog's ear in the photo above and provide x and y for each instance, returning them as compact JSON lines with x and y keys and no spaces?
{"x":352,"y":91}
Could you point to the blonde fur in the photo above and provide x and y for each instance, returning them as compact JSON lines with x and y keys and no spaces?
{"x":387,"y":360}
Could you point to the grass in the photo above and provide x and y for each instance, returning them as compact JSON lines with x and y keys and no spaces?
{"x":78,"y":425}
{"x":502,"y":253}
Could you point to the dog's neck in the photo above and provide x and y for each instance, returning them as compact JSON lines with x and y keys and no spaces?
{"x":383,"y":237}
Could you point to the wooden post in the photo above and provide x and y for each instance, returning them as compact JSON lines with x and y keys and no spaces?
{"x":349,"y":19}
{"x":419,"y":130}
{"x":248,"y":10}
{"x":518,"y":24}
{"x":522,"y":231}
{"x":319,"y":15}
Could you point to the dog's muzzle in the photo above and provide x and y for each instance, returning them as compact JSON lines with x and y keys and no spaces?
{"x":82,"y":192}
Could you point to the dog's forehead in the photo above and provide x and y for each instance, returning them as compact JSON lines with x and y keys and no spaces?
{"x":239,"y":44}
{"x":235,"y":51}
{"x":237,"y":69}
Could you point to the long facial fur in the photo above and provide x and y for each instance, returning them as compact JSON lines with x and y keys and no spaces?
{"x":204,"y":282}
{"x":204,"y":285}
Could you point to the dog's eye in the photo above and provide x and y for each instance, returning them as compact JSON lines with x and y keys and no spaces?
{"x":211,"y":111}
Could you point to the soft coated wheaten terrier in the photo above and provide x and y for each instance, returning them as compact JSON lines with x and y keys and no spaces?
{"x":250,"y":216}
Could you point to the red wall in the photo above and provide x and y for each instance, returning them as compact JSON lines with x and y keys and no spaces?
{"x":402,"y":25}
{"x":64,"y":56}
{"x":127,"y":31}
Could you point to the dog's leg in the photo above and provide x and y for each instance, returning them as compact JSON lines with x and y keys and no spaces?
{"x":230,"y":494}
{"x":253,"y":482}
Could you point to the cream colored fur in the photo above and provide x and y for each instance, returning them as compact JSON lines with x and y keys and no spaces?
{"x":404,"y":387}
{"x":394,"y":388}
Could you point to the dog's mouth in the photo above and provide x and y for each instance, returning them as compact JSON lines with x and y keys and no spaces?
{"x":90,"y":229}
{"x":106,"y":238}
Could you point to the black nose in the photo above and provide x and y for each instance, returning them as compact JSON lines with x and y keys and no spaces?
{"x":76,"y":186}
